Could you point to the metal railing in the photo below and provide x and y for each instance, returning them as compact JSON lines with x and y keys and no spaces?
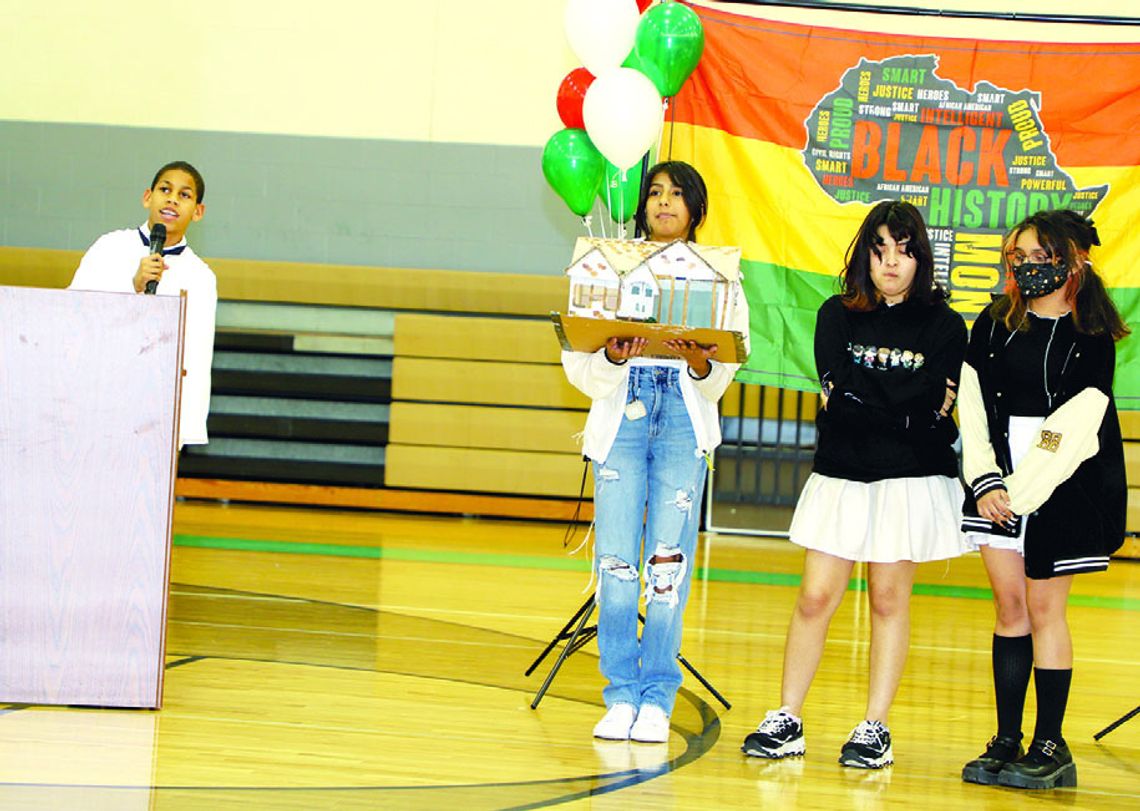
{"x":763,"y":461}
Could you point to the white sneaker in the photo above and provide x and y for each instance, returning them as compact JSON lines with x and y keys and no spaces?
{"x":869,"y":746}
{"x":616,"y":723}
{"x":652,"y":725}
{"x":779,"y":735}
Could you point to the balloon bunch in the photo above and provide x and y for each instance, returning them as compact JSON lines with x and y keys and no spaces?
{"x":634,"y":53}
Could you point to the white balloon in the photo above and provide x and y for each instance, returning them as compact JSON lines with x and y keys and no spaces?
{"x":601,"y":32}
{"x":623,"y":114}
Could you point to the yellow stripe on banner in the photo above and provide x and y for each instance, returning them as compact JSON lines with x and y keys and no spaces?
{"x":763,"y":198}
{"x":1117,"y":221}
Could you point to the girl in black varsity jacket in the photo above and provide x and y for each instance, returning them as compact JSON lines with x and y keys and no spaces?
{"x":1043,"y":456}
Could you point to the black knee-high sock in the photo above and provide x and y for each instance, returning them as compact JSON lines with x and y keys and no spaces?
{"x":1013,"y":663}
{"x":1052,"y":696}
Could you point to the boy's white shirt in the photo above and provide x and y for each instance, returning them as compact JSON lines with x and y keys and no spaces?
{"x":110,"y":265}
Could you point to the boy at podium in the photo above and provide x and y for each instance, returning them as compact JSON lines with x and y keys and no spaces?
{"x":154,"y":258}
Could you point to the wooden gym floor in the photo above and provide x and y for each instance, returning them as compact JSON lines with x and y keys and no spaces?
{"x":344,"y":660}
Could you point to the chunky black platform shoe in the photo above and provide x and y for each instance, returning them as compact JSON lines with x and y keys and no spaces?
{"x":1047,"y":764}
{"x":1001,"y":749}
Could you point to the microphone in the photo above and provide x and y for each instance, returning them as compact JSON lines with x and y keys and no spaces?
{"x":157,"y":243}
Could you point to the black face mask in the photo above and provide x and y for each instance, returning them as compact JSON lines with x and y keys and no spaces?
{"x":1035,"y":280}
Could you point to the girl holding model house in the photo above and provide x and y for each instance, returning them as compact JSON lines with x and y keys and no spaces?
{"x":651,"y":429}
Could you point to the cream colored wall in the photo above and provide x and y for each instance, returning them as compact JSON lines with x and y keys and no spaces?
{"x":469,"y":71}
{"x":476,"y":71}
{"x":966,"y":28}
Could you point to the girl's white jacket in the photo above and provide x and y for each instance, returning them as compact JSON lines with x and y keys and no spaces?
{"x":607,"y":385}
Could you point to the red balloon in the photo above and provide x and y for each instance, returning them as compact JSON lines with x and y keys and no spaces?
{"x":571,"y":94}
{"x":643,"y":4}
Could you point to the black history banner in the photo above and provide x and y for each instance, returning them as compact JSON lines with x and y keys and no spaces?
{"x":799,"y":130}
{"x":976,"y":162}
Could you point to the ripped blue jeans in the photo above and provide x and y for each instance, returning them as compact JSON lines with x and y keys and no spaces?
{"x":649,"y":488}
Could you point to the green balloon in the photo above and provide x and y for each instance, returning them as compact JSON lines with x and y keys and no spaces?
{"x":573,"y":167}
{"x":621,"y":194}
{"x":668,"y":45}
{"x":632,"y":61}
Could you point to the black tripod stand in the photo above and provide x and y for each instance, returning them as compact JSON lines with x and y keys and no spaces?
{"x":1116,"y":723}
{"x":579,"y":636}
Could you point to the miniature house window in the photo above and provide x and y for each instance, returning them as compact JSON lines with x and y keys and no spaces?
{"x":701,"y":310}
{"x":590,"y":295}
{"x":689,"y":302}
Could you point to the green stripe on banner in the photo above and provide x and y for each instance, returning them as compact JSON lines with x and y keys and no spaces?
{"x":782,"y":304}
{"x":1126,"y":384}
{"x":565,"y":564}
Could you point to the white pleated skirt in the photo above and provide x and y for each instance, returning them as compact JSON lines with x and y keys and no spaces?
{"x":915,"y":519}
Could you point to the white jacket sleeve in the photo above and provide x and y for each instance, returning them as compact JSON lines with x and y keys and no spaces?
{"x":593,"y":374}
{"x":1068,"y":437}
{"x":713,"y":385}
{"x":979,"y":463}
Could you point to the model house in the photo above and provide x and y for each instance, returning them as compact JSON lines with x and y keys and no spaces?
{"x":680,"y":283}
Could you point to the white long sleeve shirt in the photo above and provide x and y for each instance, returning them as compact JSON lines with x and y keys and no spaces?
{"x":110,"y":265}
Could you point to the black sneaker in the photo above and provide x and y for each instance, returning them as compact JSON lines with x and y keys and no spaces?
{"x":869,"y":747}
{"x":1047,"y":764}
{"x":1001,"y":749}
{"x":779,"y":735}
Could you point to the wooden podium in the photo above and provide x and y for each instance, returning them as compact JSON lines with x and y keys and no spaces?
{"x":89,"y":393}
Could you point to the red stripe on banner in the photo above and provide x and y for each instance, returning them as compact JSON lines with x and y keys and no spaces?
{"x":761,"y":79}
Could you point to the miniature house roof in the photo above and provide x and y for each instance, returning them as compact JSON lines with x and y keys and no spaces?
{"x":623,"y":255}
{"x":678,"y":259}
{"x":593,"y":264}
{"x":641,"y":273}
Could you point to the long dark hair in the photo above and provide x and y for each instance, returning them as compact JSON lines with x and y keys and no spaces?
{"x":1067,"y":237}
{"x":903,"y":221}
{"x":693,"y":192}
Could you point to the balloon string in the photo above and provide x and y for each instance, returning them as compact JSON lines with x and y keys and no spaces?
{"x":621,"y":205}
{"x":609,"y":191}
{"x":586,"y":221}
{"x":672,"y":125}
{"x":661,"y":132}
